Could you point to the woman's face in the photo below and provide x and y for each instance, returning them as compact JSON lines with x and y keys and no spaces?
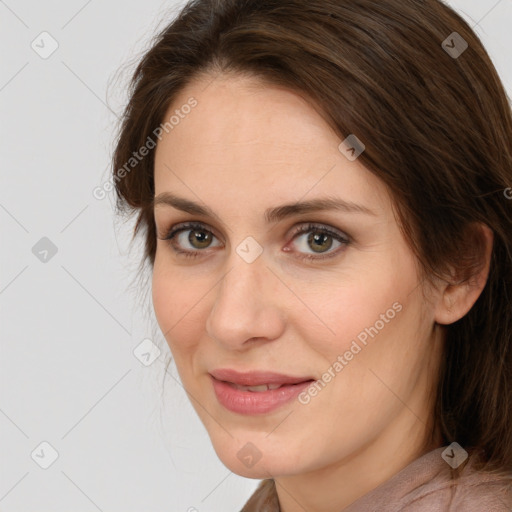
{"x":351,"y":317}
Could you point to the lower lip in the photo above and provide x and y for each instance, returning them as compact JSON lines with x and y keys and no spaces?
{"x":255,"y":402}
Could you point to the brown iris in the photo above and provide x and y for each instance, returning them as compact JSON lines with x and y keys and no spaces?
{"x":204,"y":238}
{"x":319,"y":239}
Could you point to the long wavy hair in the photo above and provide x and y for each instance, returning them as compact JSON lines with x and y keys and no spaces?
{"x":437,"y":125}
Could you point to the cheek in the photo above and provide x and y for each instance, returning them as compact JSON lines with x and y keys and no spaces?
{"x":162,"y":296}
{"x":374,"y":317}
{"x":339,"y":314}
{"x":378,"y":338}
{"x":173,"y":303}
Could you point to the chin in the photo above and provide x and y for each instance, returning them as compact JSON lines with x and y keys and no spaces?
{"x":255,"y":459}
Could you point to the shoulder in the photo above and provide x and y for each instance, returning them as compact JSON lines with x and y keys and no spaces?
{"x":431,"y":484}
{"x":475,"y":494}
{"x":467,"y":490}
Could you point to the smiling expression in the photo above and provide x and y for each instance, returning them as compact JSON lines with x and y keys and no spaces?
{"x":246,"y":279}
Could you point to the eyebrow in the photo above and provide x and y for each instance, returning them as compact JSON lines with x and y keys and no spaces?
{"x":271,"y":215}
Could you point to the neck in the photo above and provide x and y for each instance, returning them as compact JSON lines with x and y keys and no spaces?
{"x":336,"y":486}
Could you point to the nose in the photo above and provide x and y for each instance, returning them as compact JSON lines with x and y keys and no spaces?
{"x":248,"y":306}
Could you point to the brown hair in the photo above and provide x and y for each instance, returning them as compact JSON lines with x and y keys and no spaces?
{"x":437,"y":130}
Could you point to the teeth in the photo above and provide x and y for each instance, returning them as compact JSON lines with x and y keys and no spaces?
{"x":263,"y":387}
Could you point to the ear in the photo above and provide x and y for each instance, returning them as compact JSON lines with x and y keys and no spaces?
{"x":456,"y":299}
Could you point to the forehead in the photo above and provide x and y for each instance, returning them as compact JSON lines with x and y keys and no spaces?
{"x":244,"y":139}
{"x":240,"y":111}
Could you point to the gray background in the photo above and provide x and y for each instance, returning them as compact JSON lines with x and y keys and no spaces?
{"x":70,"y":324}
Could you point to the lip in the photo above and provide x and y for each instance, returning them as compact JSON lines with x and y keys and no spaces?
{"x":255,"y":402}
{"x":256,"y":378}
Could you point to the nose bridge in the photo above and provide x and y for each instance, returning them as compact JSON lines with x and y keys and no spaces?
{"x":243,"y":283}
{"x":243,"y":306}
{"x":247,"y":273}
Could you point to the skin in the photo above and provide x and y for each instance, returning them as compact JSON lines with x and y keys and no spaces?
{"x":245,"y":148}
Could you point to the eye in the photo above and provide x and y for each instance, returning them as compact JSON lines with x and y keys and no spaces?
{"x":192,"y":233}
{"x":320,"y":239}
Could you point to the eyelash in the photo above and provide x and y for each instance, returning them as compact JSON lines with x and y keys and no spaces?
{"x":175,"y":230}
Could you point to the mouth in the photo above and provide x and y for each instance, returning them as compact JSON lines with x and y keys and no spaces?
{"x":260,"y":388}
{"x":255,"y":379}
{"x":256,"y":392}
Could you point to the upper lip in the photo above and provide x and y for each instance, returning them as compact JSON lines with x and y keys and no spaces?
{"x":255,"y":378}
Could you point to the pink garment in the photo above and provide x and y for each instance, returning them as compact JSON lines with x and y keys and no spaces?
{"x":427,"y":484}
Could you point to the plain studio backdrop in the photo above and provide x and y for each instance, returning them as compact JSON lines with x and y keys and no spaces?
{"x":83,"y":423}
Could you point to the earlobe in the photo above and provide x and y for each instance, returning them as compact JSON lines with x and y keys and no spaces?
{"x":457,"y":299}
